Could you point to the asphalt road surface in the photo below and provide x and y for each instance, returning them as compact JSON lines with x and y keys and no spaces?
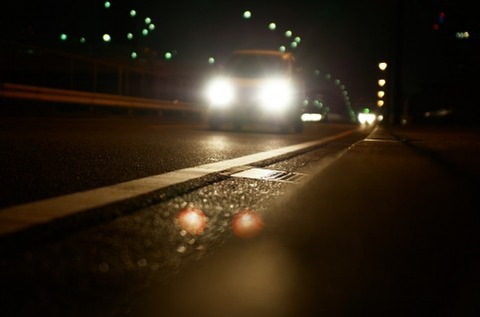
{"x":377,"y":222}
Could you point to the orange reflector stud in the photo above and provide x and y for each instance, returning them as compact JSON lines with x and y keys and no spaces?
{"x":192,"y":220}
{"x":247,"y":224}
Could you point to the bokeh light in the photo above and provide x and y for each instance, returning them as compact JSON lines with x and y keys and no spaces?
{"x":382,"y":66}
{"x":247,"y":224}
{"x":107,"y":38}
{"x":192,"y":220}
{"x":247,"y":14}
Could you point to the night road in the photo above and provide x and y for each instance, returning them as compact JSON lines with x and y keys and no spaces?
{"x":239,"y":158}
{"x":372,"y":222}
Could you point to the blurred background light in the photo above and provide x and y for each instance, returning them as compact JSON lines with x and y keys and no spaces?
{"x":107,"y":38}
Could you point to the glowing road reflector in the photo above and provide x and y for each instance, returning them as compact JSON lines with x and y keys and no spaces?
{"x":247,"y":224}
{"x":192,"y":220}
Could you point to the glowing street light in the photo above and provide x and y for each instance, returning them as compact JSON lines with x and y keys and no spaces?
{"x":107,"y":38}
{"x":382,"y":66}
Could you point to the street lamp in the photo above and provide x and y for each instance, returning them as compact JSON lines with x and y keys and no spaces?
{"x":382,"y":66}
{"x":381,"y":83}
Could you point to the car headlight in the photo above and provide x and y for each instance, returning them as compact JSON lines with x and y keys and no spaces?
{"x":366,"y":118}
{"x":220,"y":92}
{"x":276,"y":94}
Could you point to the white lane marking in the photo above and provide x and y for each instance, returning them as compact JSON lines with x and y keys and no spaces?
{"x":20,"y":217}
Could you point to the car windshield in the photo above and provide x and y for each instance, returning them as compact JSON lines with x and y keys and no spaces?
{"x":252,"y":66}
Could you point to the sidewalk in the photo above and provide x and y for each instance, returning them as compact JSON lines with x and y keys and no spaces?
{"x":389,"y":229}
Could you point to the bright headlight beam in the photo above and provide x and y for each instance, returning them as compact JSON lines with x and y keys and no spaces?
{"x":366,"y":118}
{"x":220,"y":92}
{"x":276,"y":94}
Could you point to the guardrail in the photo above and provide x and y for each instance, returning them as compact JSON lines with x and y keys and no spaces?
{"x":18,"y":91}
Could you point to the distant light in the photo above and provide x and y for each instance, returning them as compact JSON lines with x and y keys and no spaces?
{"x":380,"y":103}
{"x":107,"y":4}
{"x":133,"y":55}
{"x":337,"y":82}
{"x":328,"y":76}
{"x":144,"y":32}
{"x":316,"y":72}
{"x":151,"y":27}
{"x":462,"y":35}
{"x":211,"y":60}
{"x":382,"y":82}
{"x":63,"y":37}
{"x":288,"y":33}
{"x":282,"y":49}
{"x":83,"y":40}
{"x":380,"y":93}
{"x":366,"y":118}
{"x":129,"y":36}
{"x":133,"y":13}
{"x":148,"y":20}
{"x":298,"y":39}
{"x":441,"y":17}
{"x":272,"y":26}
{"x":311,"y":117}
{"x":382,"y":66}
{"x":168,"y":55}
{"x":294,"y":44}
{"x":107,"y":38}
{"x":247,"y":14}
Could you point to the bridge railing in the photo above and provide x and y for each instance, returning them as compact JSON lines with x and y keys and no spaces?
{"x":41,"y":69}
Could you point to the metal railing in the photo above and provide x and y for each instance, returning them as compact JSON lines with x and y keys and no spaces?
{"x":32,"y":72}
{"x":17,"y":91}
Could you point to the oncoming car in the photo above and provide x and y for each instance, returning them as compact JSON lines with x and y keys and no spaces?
{"x":259,"y":86}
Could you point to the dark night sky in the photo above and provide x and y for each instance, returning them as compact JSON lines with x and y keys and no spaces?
{"x":346,"y":38}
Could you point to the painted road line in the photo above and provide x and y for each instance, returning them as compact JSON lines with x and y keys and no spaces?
{"x":21,"y":217}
